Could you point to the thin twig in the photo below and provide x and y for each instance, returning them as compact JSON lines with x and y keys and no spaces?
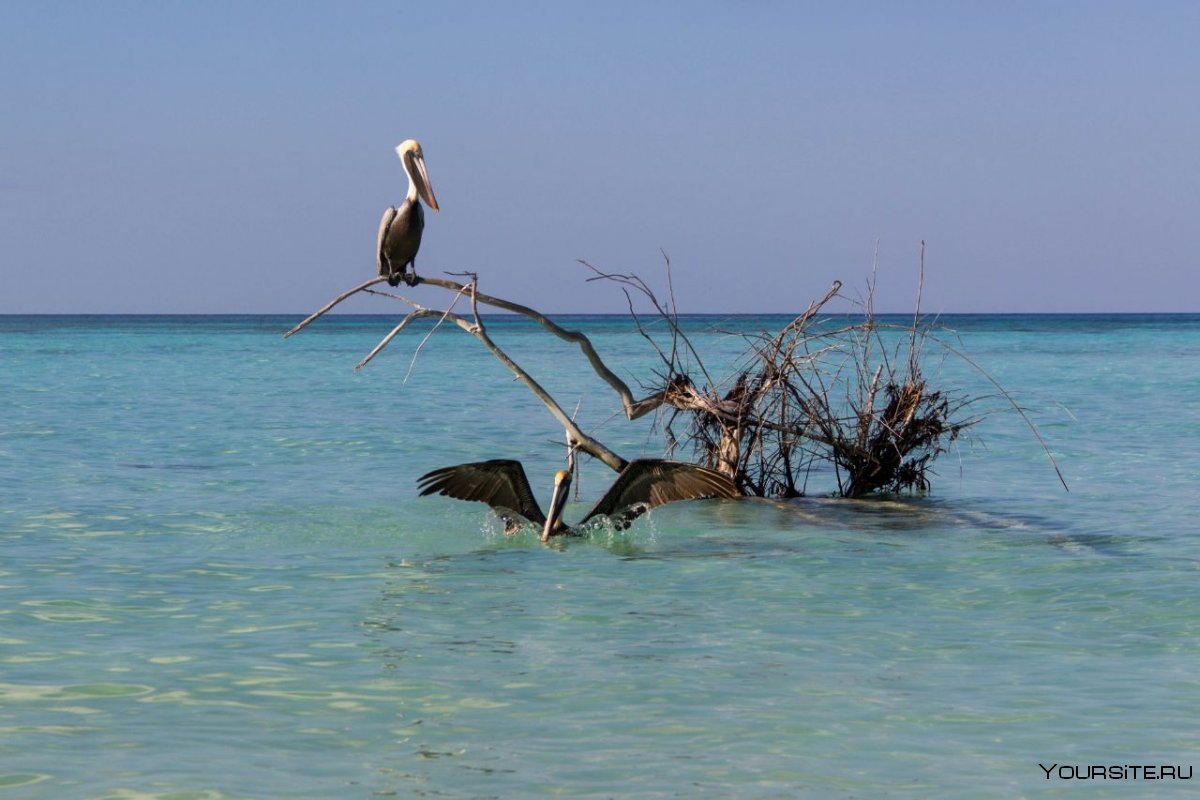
{"x":640,"y":285}
{"x":419,"y":312}
{"x":1012,"y":402}
{"x":912,"y":347}
{"x":361,"y":287}
{"x":432,"y":330}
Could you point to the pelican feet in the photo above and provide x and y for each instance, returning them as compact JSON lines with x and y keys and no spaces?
{"x":393,"y":277}
{"x":410,"y":278}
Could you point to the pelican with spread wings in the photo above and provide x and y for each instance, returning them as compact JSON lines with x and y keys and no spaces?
{"x":642,"y":485}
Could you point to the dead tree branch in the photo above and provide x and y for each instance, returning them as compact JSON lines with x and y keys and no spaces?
{"x":840,"y":398}
{"x":312,"y":317}
{"x":634,"y":408}
{"x":476,"y":328}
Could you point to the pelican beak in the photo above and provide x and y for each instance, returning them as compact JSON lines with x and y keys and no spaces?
{"x":562,"y":490}
{"x":421,"y":179}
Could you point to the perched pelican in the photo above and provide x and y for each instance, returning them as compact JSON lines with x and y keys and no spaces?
{"x":642,"y":485}
{"x":400,"y":229}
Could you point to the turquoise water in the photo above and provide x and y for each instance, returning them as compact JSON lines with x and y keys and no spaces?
{"x":217,"y":581}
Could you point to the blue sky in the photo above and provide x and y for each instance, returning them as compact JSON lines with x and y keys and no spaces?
{"x":235,"y":157}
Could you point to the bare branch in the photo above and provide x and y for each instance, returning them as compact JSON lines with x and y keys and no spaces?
{"x":671,"y":319}
{"x":432,"y":330}
{"x":419,"y":312}
{"x":912,"y":347}
{"x":799,"y":399}
{"x":799,"y":322}
{"x":633,"y":408}
{"x":585,"y":443}
{"x":361,"y":287}
{"x":1012,"y":402}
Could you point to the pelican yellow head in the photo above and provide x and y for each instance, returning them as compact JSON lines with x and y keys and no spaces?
{"x":562,"y":490}
{"x":413,"y":159}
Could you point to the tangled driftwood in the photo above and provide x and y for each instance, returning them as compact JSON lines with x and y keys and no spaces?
{"x":806,"y":399}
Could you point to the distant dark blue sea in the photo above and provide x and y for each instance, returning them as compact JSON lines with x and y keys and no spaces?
{"x":217,"y":579}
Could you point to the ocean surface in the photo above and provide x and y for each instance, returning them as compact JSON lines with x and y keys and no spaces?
{"x":217,"y":580}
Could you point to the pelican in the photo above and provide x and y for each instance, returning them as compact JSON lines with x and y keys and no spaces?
{"x":642,"y":485}
{"x":400,"y":229}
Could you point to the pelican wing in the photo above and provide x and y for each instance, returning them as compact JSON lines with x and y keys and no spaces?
{"x":384,"y":225}
{"x":501,"y":483}
{"x":650,"y":482}
{"x":400,"y":236}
